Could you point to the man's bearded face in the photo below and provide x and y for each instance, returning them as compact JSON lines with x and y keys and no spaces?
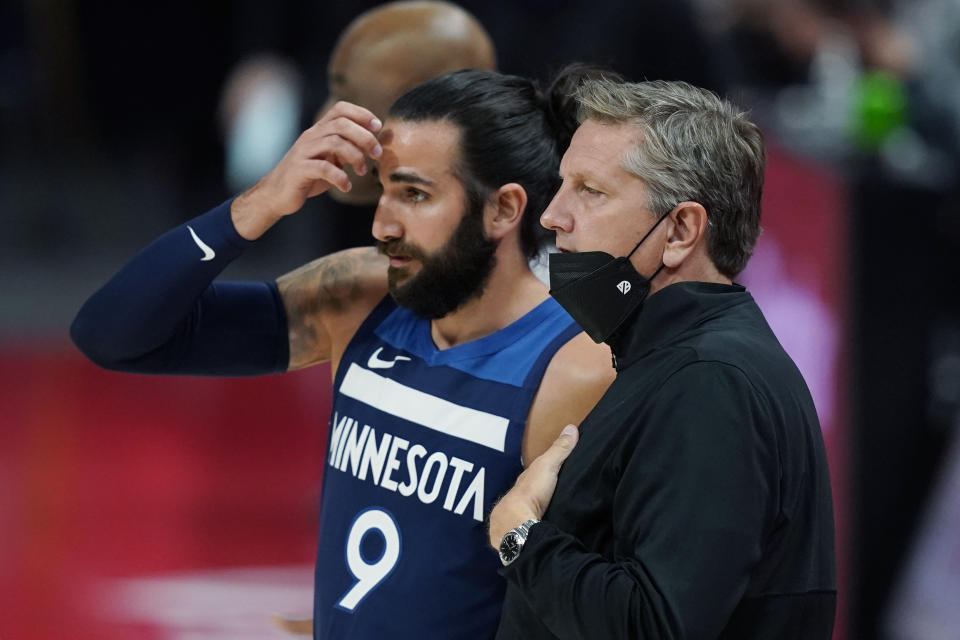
{"x":450,"y":276}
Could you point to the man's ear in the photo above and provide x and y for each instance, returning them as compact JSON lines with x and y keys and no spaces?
{"x":504,"y":210}
{"x":686,"y":231}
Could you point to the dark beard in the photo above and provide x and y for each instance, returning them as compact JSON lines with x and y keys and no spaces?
{"x":455,"y":274}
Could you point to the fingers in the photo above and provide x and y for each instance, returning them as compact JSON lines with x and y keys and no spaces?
{"x":344,"y":136}
{"x":342,"y":152}
{"x":539,"y":479}
{"x":296,"y":626}
{"x":350,"y":111}
{"x":533,"y":491}
{"x":554,"y":457}
{"x":353,"y":123}
{"x":324,"y":173}
{"x":341,"y":141}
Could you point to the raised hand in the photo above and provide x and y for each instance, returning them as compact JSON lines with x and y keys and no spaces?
{"x":345,"y":135}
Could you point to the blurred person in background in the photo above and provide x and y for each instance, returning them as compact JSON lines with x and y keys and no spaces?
{"x":870,"y":89}
{"x":380,"y":55}
{"x":451,"y":363}
{"x":842,"y":79}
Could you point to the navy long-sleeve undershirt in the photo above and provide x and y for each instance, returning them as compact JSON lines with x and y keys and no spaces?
{"x":162,"y":313}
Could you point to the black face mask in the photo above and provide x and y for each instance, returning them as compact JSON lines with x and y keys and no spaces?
{"x":598,"y":290}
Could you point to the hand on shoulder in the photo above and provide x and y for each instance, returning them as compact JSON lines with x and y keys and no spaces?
{"x":576,"y":378}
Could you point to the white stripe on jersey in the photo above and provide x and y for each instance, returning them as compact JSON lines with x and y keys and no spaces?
{"x":424,"y":409}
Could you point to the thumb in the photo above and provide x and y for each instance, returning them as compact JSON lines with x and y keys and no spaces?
{"x":561,"y":447}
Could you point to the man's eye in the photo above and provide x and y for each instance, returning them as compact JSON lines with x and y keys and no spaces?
{"x":415,"y":195}
{"x":590,"y":190}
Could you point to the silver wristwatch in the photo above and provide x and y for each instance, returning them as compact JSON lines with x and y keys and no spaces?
{"x":512,"y":541}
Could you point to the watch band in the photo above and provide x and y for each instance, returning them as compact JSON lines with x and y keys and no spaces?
{"x":512,"y":541}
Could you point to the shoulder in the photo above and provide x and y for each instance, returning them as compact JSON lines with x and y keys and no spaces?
{"x":581,"y":361}
{"x":696,"y":376}
{"x":700,"y":399}
{"x":326,"y":300}
{"x":574,"y":381}
{"x":697,"y":416}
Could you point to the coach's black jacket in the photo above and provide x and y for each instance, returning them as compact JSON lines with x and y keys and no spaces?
{"x":697,"y":502}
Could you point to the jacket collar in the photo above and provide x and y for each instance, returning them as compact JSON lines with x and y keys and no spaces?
{"x":670,"y":312}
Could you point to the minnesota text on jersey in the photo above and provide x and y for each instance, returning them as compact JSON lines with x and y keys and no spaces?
{"x":359,"y":451}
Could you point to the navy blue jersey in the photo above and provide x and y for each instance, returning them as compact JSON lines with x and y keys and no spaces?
{"x":422,"y":442}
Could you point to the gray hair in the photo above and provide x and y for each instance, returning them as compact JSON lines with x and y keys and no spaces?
{"x":693,"y":146}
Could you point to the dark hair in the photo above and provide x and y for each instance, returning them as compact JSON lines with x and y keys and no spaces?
{"x":510,"y":131}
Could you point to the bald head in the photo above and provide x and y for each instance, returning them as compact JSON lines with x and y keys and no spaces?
{"x":388,"y":50}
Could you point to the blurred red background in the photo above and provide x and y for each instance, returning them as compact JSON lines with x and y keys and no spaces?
{"x":106,"y":475}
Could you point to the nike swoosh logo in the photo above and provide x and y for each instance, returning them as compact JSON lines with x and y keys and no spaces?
{"x":208,"y":253}
{"x":376,"y":363}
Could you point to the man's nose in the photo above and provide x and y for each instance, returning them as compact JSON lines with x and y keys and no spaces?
{"x":555,"y":217}
{"x":386,"y":226}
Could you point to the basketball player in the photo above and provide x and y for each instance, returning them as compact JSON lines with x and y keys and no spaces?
{"x":441,"y":387}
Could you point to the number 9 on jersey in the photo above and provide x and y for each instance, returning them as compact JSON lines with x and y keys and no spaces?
{"x":369,"y":574}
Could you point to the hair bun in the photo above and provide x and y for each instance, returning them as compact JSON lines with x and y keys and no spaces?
{"x":559,"y":98}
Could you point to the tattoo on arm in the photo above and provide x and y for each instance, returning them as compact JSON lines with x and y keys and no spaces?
{"x":317,"y":293}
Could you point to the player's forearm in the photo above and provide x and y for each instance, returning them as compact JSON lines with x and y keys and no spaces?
{"x":252,"y":214}
{"x":161,"y":314}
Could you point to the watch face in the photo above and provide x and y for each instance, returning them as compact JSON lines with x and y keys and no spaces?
{"x":509,"y":547}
